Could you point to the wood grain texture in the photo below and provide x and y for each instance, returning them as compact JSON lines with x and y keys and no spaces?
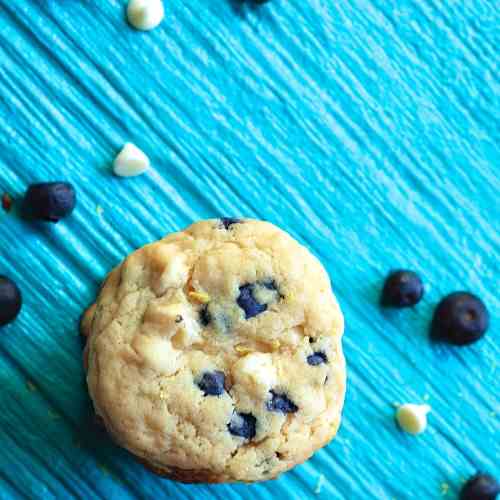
{"x":368,"y":129}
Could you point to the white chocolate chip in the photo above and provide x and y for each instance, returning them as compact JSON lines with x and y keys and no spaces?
{"x":145,"y":15}
{"x":157,"y":353}
{"x":188,"y":332}
{"x":176,"y":272}
{"x":255,"y":371}
{"x":175,"y":322}
{"x":170,"y":268}
{"x":264,"y":295}
{"x":131,"y":161}
{"x":163,"y":316}
{"x":412,"y":418}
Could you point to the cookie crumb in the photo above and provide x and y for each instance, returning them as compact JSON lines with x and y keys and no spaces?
{"x":319,"y":484}
{"x":444,"y":488}
{"x":412,"y":418}
{"x":104,"y":469}
{"x":54,"y":415}
{"x":30,"y":386}
{"x":130,"y":161}
{"x":6,"y":202}
{"x":98,"y":422}
{"x":201,"y":297}
{"x":99,"y":210}
{"x":243,"y":349}
{"x":275,"y":344}
{"x":426,"y":397}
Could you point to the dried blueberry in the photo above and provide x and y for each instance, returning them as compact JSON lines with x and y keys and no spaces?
{"x":212,"y":383}
{"x":480,"y":487}
{"x":227,"y":222}
{"x":10,"y":300}
{"x":317,"y":358}
{"x":281,"y":403}
{"x":49,"y":201}
{"x":270,"y":285}
{"x":205,"y":316}
{"x":247,"y":302}
{"x":460,"y":318}
{"x":402,"y":289}
{"x":242,"y":425}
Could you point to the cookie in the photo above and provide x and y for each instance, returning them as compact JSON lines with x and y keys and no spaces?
{"x":214,"y":354}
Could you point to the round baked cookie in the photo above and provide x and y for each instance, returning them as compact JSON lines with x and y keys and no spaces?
{"x":215,"y":353}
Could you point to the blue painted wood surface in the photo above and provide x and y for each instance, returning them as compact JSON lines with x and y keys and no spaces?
{"x":368,"y":129}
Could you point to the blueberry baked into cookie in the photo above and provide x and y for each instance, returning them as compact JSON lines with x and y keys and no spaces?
{"x":214,"y":354}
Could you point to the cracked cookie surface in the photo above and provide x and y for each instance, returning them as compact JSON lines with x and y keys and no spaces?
{"x":216,"y":352}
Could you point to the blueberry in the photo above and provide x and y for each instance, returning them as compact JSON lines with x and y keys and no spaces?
{"x":480,"y":487}
{"x":460,"y":318}
{"x":242,"y":425}
{"x":49,"y":201}
{"x":248,"y":303}
{"x":10,"y":300}
{"x":205,"y":316}
{"x":402,"y":289}
{"x":212,"y":383}
{"x":317,"y":358}
{"x":227,"y":222}
{"x":281,"y":403}
{"x":270,"y":285}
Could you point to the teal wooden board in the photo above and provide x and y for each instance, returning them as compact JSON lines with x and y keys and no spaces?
{"x":368,"y":129}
